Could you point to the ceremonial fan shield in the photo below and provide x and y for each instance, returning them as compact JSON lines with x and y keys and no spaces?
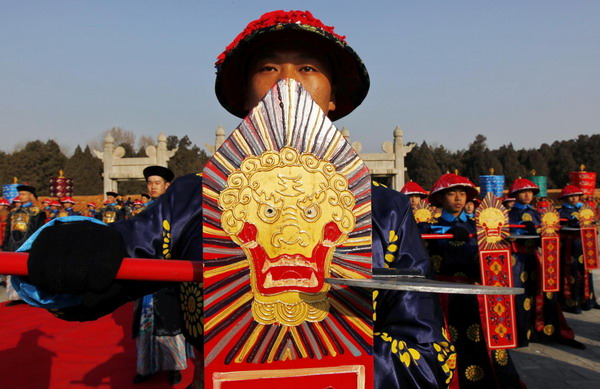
{"x":287,"y":204}
{"x":498,"y":315}
{"x":550,"y":250}
{"x":589,"y":236}
{"x":423,"y":212}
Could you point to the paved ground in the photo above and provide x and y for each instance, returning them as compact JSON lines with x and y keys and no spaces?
{"x":555,"y":366}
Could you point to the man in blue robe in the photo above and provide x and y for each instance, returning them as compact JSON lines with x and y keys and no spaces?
{"x":410,"y":345}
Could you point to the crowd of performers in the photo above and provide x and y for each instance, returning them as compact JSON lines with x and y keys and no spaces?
{"x":539,"y":316}
{"x":453,"y":201}
{"x":156,"y":325}
{"x":411,"y":346}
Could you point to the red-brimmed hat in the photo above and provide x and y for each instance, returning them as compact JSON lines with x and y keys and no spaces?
{"x":351,"y":76}
{"x":67,"y":199}
{"x":92,"y":204}
{"x":54,"y":203}
{"x":16,"y":200}
{"x":412,"y":188}
{"x":570,"y":190}
{"x":138,"y":202}
{"x":46,"y":201}
{"x":507,"y":199}
{"x":448,"y":181}
{"x":522,"y":184}
{"x":4,"y":201}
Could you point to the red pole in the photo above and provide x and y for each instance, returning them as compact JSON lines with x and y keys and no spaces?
{"x":441,"y":236}
{"x":138,"y":269}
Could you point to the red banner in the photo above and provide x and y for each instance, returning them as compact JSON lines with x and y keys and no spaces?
{"x":589,"y":242}
{"x":549,"y":264}
{"x":499,"y":310}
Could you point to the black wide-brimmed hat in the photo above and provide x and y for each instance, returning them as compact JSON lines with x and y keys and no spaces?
{"x":27,"y":188}
{"x":113,"y":194}
{"x":350,"y":74}
{"x":160,"y":171}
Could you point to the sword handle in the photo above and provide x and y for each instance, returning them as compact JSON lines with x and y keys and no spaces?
{"x":137,"y":269}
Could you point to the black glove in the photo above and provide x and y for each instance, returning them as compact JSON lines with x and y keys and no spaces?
{"x":574,"y":223}
{"x":530,"y":227}
{"x":75,"y":258}
{"x":460,"y":234}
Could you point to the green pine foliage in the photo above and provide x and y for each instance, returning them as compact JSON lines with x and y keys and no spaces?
{"x":554,"y":161}
{"x":37,"y":162}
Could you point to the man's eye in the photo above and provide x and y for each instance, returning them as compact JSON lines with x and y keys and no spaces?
{"x":308,"y":69}
{"x":267,"y":68}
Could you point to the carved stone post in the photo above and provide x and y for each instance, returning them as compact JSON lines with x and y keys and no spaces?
{"x":108,"y":152}
{"x":219,"y":136}
{"x":161,"y":150}
{"x":400,"y":151}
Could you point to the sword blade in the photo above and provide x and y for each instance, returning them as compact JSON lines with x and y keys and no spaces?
{"x":424,"y":285}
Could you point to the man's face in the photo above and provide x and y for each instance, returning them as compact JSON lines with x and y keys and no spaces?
{"x":453,"y":201}
{"x":25,"y":196}
{"x":525,"y":197}
{"x":67,"y":205}
{"x":573,"y":200}
{"x":110,"y":199}
{"x":299,"y":62}
{"x":470,"y":207}
{"x":414,"y":200}
{"x":156,"y":186}
{"x":145,"y":200}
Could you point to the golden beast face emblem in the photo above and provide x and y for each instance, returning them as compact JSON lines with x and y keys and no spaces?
{"x":492,"y":220}
{"x":550,"y":221}
{"x":288,"y":212}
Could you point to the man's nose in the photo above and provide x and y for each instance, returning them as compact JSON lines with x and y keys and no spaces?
{"x":288,"y":71}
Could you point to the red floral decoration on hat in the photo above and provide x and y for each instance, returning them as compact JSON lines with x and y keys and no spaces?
{"x":412,"y":188}
{"x":451,"y":180}
{"x":273,"y":18}
{"x":570,"y":190}
{"x":522,"y":184}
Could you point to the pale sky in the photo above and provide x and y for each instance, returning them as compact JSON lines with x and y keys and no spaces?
{"x":525,"y":72}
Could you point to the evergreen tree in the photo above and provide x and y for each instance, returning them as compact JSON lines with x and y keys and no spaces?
{"x":561,"y":163}
{"x":189,"y":159}
{"x":476,"y":160}
{"x":86,"y":171}
{"x":585,"y":151}
{"x":533,"y":159}
{"x":510,"y":164}
{"x":37,"y":163}
{"x":446,"y":160}
{"x":5,"y":168}
{"x":421,"y":166}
